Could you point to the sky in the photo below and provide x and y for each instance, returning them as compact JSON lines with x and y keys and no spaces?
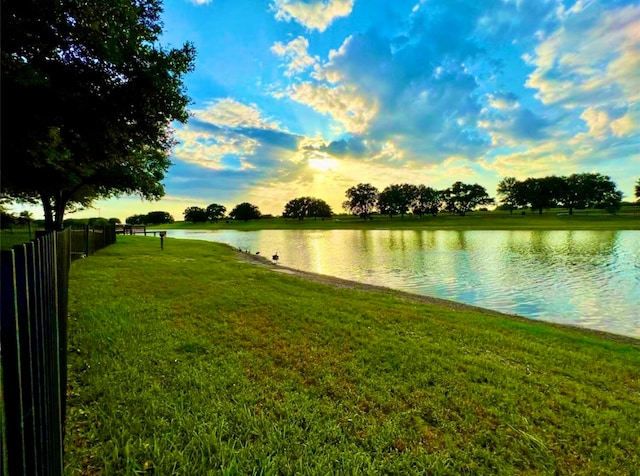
{"x":295,"y":98}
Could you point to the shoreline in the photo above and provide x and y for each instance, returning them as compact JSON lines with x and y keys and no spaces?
{"x":449,"y":304}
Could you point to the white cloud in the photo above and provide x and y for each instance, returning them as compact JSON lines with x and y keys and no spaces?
{"x":315,"y":15}
{"x":207,"y":149}
{"x":544,"y":159}
{"x":624,"y":126}
{"x":200,"y":2}
{"x":296,"y":52}
{"x":231,"y":113}
{"x":582,"y":66}
{"x":342,"y":103}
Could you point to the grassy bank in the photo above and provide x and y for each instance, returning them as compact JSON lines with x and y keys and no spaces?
{"x":626,"y":220}
{"x":186,"y":361}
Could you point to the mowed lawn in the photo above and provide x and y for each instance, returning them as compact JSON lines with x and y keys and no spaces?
{"x":187,"y":361}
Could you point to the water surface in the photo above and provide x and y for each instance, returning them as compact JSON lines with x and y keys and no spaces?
{"x":585,"y":278}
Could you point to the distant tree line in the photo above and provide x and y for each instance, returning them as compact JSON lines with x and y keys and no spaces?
{"x":574,"y":192}
{"x":151,"y":218}
{"x":400,"y":199}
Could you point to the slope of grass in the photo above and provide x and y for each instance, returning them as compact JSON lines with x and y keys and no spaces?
{"x":186,"y":361}
{"x":550,"y":220}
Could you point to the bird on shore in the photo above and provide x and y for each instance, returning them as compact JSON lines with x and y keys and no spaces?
{"x":257,"y":252}
{"x":276,"y":257}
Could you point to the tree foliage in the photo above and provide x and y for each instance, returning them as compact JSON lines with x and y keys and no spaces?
{"x":397,"y":199}
{"x":507,"y":189}
{"x":92,"y":99}
{"x":461,"y":198}
{"x":216,"y":212}
{"x":245,"y":211}
{"x":361,"y":200}
{"x":638,"y":189}
{"x":158,"y":218}
{"x":195,"y":215}
{"x":428,"y":201}
{"x":302,"y":207}
{"x":155,"y":218}
{"x":320,"y":209}
{"x":577,"y":191}
{"x":540,"y":193}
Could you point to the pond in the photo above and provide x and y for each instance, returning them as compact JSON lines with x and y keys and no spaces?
{"x":584,"y":278}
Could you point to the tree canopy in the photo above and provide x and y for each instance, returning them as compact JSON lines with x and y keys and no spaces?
{"x":216,"y":212}
{"x":151,"y":218}
{"x":638,"y":189}
{"x":539,"y":193}
{"x":397,"y":199}
{"x":93,"y":95}
{"x":461,"y":198}
{"x":507,"y":189}
{"x":245,"y":211}
{"x":302,"y":207}
{"x":428,"y":201}
{"x":361,"y":200}
{"x":195,"y":215}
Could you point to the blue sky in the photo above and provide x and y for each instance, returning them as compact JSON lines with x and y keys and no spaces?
{"x":293,"y":98}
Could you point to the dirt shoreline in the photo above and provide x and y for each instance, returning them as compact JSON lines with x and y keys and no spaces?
{"x":458,"y":306}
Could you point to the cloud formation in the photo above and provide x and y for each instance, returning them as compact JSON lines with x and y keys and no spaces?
{"x":315,"y":15}
{"x":296,"y":53}
{"x":312,"y":97}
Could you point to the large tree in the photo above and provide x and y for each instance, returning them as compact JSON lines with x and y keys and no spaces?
{"x":638,"y":189}
{"x":195,"y":215}
{"x":318,"y":208}
{"x":507,"y":190}
{"x":461,"y":198}
{"x":589,"y":190}
{"x":361,"y":200}
{"x":216,"y":212}
{"x":302,"y":207}
{"x":428,"y":200}
{"x":540,"y":193}
{"x":88,"y":96}
{"x":245,"y":211}
{"x":397,"y":199}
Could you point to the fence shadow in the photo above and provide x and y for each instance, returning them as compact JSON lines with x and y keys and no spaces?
{"x":33,"y":346}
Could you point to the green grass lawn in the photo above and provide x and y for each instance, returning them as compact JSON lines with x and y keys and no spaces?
{"x":186,"y":361}
{"x":10,"y":238}
{"x":627,"y":219}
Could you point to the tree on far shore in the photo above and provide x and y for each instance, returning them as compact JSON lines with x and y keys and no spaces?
{"x":361,"y":200}
{"x":507,"y":189}
{"x":638,"y":189}
{"x":216,"y":212}
{"x":195,"y":215}
{"x":245,"y":211}
{"x":302,"y":207}
{"x":461,"y":198}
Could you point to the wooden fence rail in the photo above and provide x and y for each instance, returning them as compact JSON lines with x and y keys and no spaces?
{"x":33,"y":347}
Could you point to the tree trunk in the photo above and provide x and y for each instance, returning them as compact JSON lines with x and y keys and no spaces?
{"x":60,"y":206}
{"x":48,"y":212}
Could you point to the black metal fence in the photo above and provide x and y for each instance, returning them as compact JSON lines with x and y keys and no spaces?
{"x":33,"y":347}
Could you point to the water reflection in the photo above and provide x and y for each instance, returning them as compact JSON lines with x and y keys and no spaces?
{"x":588,"y":278}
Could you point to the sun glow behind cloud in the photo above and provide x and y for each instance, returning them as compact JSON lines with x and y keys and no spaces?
{"x":323,"y":163}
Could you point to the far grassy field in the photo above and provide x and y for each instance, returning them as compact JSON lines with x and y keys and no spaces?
{"x":628,"y":219}
{"x":188,"y":362}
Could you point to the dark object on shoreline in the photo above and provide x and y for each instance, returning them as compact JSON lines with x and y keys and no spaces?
{"x":276,"y":257}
